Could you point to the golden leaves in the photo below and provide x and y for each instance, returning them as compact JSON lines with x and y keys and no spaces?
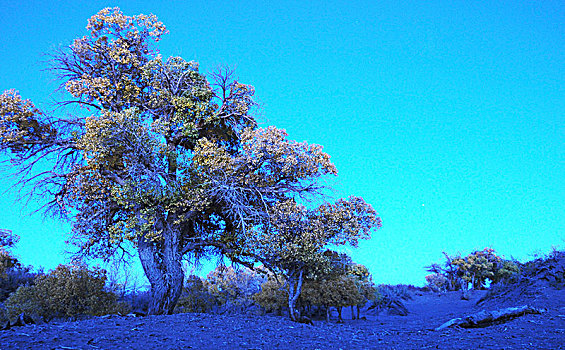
{"x":20,"y":125}
{"x":275,"y":158}
{"x":112,"y":20}
{"x":296,"y":236}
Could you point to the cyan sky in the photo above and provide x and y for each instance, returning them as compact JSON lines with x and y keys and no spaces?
{"x":447,"y":116}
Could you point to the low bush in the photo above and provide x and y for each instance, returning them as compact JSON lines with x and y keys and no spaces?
{"x":437,"y":282}
{"x":195,"y":297}
{"x":67,"y":291}
{"x":14,"y":278}
{"x":391,"y":298}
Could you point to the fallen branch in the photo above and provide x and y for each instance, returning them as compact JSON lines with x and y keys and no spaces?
{"x":486,"y":318}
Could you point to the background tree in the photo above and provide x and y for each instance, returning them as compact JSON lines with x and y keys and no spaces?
{"x":478,"y":266}
{"x":157,"y":156}
{"x":448,"y":271}
{"x":475,"y":269}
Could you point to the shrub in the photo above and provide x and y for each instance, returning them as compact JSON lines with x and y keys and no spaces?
{"x":12,"y":273}
{"x":392,"y":299}
{"x":3,"y":315}
{"x":236,"y":286}
{"x":437,"y":282}
{"x":67,"y":291}
{"x":506,"y":270}
{"x":14,"y":278}
{"x":273,"y":296}
{"x":7,"y":262}
{"x":195,"y":297}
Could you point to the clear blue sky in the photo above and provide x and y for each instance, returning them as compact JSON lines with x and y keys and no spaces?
{"x":447,"y":116}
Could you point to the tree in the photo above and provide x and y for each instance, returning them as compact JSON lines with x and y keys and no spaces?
{"x":295,"y":241}
{"x":478,"y":266}
{"x":449,"y":272}
{"x":157,"y":156}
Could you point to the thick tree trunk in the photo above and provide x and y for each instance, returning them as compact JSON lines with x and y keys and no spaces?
{"x":294,"y":288}
{"x":161,"y":261}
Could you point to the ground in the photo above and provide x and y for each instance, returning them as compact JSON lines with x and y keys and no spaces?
{"x":415,"y":331}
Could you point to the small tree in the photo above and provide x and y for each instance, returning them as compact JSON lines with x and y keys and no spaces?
{"x":477,"y":267}
{"x":195,"y":296}
{"x":448,"y":271}
{"x":294,"y":243}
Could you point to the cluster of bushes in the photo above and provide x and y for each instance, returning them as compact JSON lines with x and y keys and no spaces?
{"x":476,"y":271}
{"x":224,"y":290}
{"x":67,"y":291}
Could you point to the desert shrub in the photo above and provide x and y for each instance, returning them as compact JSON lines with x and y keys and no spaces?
{"x":347,"y":285}
{"x":138,"y":301}
{"x":67,"y":291}
{"x":391,"y":298}
{"x":233,"y":286}
{"x":437,"y":282}
{"x":12,"y":273}
{"x":478,"y":266}
{"x":506,"y":271}
{"x":3,"y":314}
{"x":447,"y":270}
{"x":195,"y":297}
{"x":7,"y":262}
{"x":13,"y":278}
{"x":273,"y":296}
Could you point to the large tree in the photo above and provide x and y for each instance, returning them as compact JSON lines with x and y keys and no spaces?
{"x":154,"y":154}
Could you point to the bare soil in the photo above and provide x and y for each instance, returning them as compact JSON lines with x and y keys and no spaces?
{"x":416,"y":331}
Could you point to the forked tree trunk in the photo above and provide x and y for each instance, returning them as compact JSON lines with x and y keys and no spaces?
{"x":294,"y":288}
{"x":161,"y":262}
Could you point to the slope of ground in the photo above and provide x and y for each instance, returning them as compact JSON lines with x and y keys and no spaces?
{"x":205,"y":331}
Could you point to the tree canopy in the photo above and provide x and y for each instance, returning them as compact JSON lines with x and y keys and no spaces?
{"x":162,"y":157}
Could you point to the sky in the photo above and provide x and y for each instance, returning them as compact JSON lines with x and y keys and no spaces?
{"x":448,"y":117}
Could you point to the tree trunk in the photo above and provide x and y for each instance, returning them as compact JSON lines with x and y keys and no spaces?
{"x":294,"y":288}
{"x":161,"y":261}
{"x":352,"y":312}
